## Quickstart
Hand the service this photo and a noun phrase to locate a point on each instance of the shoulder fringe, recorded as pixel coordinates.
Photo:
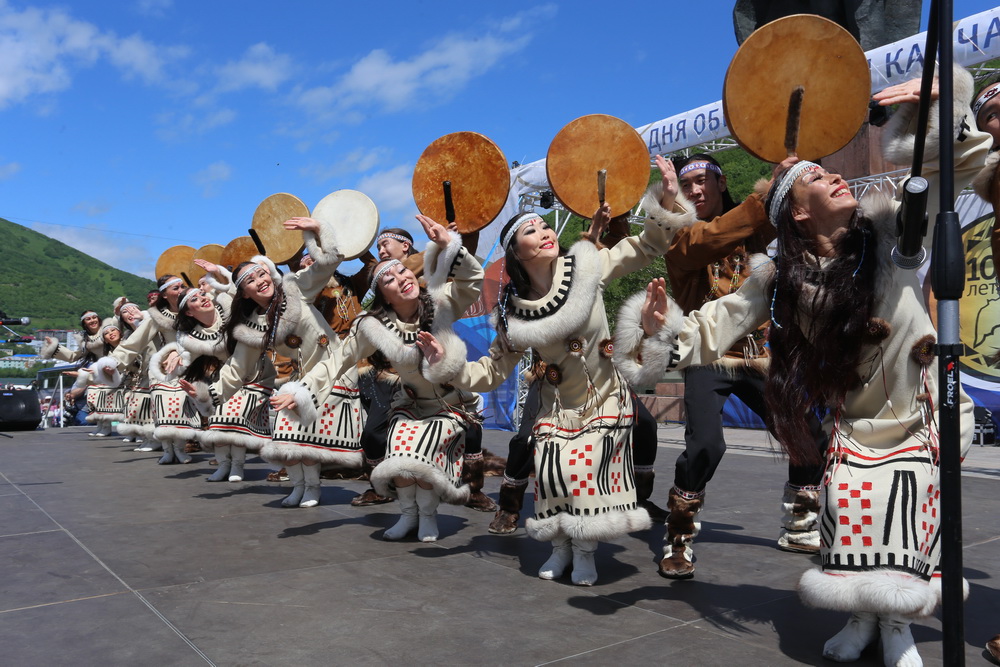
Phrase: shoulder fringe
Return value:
(98, 368)
(984, 179)
(49, 349)
(879, 591)
(683, 215)
(641, 360)
(323, 246)
(602, 527)
(227, 288)
(900, 132)
(306, 405)
(156, 372)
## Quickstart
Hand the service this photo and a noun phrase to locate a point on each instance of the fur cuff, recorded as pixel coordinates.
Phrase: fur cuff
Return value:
(99, 375)
(682, 215)
(438, 263)
(643, 361)
(228, 287)
(877, 591)
(984, 179)
(323, 247)
(453, 362)
(602, 527)
(84, 378)
(156, 372)
(306, 405)
(49, 349)
(900, 132)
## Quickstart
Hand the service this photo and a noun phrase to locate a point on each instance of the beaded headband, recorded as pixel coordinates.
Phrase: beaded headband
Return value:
(985, 96)
(184, 299)
(701, 164)
(250, 268)
(390, 235)
(110, 326)
(87, 314)
(516, 225)
(172, 281)
(381, 272)
(785, 186)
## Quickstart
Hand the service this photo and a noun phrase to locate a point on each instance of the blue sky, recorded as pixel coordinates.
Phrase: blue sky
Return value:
(128, 126)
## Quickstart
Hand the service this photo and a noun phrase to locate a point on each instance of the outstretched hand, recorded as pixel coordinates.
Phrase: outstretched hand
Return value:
(907, 92)
(283, 402)
(188, 388)
(670, 186)
(654, 308)
(431, 347)
(302, 224)
(435, 231)
(207, 265)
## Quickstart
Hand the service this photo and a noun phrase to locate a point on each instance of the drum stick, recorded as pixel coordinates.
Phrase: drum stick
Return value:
(257, 242)
(449, 204)
(794, 118)
(186, 279)
(602, 182)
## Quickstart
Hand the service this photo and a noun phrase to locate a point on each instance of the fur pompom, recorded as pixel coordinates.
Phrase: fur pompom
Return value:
(922, 351)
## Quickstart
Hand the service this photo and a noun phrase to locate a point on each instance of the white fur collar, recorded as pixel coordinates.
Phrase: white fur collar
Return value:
(398, 346)
(164, 319)
(253, 333)
(577, 283)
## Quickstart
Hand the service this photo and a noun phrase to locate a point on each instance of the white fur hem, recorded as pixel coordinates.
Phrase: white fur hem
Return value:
(602, 527)
(284, 453)
(175, 434)
(306, 406)
(215, 438)
(876, 591)
(643, 361)
(384, 473)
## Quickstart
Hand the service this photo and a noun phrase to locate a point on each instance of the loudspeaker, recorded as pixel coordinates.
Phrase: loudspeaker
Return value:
(20, 410)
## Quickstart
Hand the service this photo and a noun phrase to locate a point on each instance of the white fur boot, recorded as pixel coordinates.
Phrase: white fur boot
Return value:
(408, 508)
(847, 645)
(239, 458)
(898, 647)
(562, 556)
(182, 456)
(312, 489)
(584, 569)
(297, 477)
(427, 506)
(168, 454)
(224, 455)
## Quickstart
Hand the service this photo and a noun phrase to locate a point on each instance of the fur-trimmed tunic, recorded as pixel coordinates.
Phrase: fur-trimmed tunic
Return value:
(89, 347)
(584, 483)
(879, 527)
(429, 417)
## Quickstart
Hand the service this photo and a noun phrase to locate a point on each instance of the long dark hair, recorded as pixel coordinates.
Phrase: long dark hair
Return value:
(161, 300)
(185, 322)
(244, 306)
(83, 327)
(728, 203)
(380, 308)
(814, 370)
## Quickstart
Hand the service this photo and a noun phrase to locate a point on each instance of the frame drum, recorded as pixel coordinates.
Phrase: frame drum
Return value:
(353, 216)
(281, 244)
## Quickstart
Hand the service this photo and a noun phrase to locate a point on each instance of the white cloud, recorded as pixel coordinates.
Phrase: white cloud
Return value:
(211, 176)
(154, 8)
(115, 249)
(9, 170)
(356, 162)
(260, 67)
(175, 126)
(92, 208)
(391, 191)
(40, 48)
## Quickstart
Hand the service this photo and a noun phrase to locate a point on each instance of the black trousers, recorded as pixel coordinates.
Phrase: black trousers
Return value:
(520, 454)
(706, 389)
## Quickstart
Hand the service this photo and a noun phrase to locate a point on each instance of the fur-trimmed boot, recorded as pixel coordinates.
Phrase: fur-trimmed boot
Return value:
(236, 468)
(643, 490)
(799, 524)
(584, 568)
(473, 474)
(427, 506)
(847, 645)
(313, 488)
(180, 451)
(224, 455)
(407, 523)
(678, 557)
(562, 556)
(168, 454)
(297, 477)
(369, 497)
(511, 501)
(993, 648)
(898, 647)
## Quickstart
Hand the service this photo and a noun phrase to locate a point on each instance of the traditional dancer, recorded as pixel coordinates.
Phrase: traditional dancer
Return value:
(137, 419)
(90, 344)
(852, 335)
(430, 418)
(585, 488)
(104, 401)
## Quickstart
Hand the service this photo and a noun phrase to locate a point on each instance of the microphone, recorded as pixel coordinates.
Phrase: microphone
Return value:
(911, 225)
(14, 321)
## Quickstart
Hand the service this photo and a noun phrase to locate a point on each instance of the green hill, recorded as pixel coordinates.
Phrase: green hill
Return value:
(52, 283)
